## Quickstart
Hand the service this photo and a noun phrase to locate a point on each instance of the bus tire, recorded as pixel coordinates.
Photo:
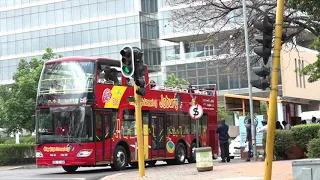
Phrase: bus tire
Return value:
(133, 164)
(180, 155)
(152, 163)
(192, 158)
(70, 169)
(120, 158)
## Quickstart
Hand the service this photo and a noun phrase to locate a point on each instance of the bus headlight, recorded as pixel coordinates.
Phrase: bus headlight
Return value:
(39, 154)
(84, 153)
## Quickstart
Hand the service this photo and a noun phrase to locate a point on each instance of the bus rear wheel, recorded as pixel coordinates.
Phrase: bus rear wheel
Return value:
(120, 158)
(192, 158)
(152, 163)
(70, 169)
(181, 153)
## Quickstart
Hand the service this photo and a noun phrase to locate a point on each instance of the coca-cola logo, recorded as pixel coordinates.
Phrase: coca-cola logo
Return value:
(106, 96)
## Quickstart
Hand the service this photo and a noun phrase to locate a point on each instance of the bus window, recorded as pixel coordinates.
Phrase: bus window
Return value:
(128, 123)
(204, 123)
(173, 124)
(108, 75)
(184, 123)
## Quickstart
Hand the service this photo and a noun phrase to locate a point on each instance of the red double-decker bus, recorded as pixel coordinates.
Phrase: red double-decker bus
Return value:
(84, 117)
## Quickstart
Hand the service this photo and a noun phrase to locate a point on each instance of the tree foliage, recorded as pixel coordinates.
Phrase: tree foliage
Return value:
(221, 22)
(222, 113)
(17, 101)
(313, 69)
(172, 80)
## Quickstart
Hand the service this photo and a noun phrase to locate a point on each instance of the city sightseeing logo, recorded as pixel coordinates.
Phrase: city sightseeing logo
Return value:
(67, 148)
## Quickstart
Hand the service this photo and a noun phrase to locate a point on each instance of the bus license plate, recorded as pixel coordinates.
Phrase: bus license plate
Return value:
(58, 162)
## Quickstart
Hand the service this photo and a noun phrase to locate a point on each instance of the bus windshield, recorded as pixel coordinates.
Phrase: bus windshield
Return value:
(67, 77)
(64, 125)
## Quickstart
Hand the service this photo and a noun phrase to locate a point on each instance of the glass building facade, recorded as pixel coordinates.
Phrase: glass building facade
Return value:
(102, 28)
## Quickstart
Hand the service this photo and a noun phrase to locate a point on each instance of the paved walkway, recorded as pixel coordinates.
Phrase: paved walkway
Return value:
(282, 170)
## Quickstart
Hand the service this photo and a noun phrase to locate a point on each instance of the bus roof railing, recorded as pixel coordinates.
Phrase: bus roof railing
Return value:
(208, 90)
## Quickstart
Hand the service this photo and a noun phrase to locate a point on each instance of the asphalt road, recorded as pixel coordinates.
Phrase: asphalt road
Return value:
(57, 173)
(83, 173)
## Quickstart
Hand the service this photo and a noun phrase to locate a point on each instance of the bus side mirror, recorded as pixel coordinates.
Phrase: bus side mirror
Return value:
(33, 119)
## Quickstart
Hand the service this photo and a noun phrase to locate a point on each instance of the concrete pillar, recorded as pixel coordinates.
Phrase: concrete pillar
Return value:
(298, 110)
(182, 52)
(280, 111)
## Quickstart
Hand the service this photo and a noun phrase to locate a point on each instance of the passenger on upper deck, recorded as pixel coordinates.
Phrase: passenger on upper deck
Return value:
(153, 85)
(107, 75)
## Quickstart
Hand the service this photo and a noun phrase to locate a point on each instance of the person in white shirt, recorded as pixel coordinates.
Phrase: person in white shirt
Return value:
(263, 129)
(286, 125)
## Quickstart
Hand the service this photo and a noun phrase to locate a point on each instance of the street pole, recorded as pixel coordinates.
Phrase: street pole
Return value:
(139, 132)
(274, 90)
(253, 128)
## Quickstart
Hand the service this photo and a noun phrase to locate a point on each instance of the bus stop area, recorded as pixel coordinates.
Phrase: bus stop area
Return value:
(235, 170)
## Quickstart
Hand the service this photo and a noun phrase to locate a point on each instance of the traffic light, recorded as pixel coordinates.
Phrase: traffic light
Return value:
(127, 61)
(264, 51)
(139, 73)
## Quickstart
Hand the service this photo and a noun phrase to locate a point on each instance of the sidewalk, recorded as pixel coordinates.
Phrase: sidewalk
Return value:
(281, 170)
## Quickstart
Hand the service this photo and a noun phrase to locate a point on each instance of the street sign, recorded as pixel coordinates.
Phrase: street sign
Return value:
(196, 111)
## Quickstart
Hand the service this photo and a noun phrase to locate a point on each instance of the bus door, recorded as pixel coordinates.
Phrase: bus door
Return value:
(158, 135)
(103, 136)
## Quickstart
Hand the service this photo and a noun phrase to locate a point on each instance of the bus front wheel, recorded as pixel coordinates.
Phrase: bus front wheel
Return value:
(120, 158)
(180, 153)
(70, 169)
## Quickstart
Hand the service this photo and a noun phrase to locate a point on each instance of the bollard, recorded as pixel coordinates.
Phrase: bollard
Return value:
(204, 159)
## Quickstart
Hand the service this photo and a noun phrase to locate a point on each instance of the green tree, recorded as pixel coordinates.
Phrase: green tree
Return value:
(263, 107)
(17, 101)
(172, 80)
(222, 113)
(313, 69)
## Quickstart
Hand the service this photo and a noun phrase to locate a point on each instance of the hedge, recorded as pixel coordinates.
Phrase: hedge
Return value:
(22, 140)
(314, 148)
(304, 133)
(283, 141)
(17, 154)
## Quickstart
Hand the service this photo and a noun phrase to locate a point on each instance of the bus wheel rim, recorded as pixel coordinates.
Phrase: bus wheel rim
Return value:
(121, 158)
(181, 154)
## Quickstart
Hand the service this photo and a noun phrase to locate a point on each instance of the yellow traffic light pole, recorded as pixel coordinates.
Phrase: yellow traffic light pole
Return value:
(274, 90)
(139, 131)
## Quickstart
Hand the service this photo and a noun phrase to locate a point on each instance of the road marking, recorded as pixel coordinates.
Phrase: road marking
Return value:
(111, 176)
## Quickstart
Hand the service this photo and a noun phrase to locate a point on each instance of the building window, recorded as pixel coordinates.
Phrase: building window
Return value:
(304, 78)
(223, 82)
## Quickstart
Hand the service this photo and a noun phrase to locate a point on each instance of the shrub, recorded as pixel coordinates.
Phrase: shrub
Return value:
(283, 141)
(304, 133)
(17, 154)
(4, 139)
(314, 148)
(22, 140)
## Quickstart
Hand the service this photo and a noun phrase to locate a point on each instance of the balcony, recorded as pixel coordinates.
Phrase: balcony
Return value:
(198, 54)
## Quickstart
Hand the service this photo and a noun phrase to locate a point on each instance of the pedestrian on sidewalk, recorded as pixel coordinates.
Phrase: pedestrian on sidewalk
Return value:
(222, 130)
(249, 139)
(263, 130)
